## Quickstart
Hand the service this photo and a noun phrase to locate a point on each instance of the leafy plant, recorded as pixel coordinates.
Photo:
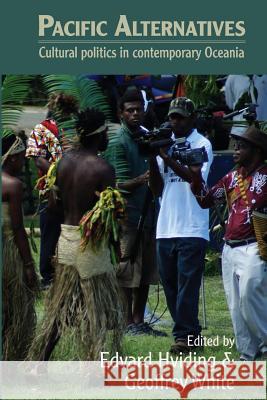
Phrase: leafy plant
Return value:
(115, 154)
(200, 88)
(14, 91)
(88, 94)
(86, 91)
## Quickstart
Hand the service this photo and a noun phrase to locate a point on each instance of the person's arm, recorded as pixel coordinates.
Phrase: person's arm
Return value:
(20, 236)
(131, 184)
(205, 169)
(42, 164)
(199, 188)
(54, 205)
(156, 183)
(207, 198)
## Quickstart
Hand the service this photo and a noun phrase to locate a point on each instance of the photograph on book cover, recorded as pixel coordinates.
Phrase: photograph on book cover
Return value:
(134, 219)
(116, 175)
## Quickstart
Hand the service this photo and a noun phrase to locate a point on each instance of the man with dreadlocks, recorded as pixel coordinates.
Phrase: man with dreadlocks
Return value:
(84, 294)
(19, 278)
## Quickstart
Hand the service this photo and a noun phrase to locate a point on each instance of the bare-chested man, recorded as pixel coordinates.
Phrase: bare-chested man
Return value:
(84, 295)
(19, 277)
(82, 172)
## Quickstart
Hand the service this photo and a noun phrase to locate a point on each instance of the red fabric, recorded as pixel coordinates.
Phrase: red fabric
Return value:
(218, 114)
(180, 91)
(51, 125)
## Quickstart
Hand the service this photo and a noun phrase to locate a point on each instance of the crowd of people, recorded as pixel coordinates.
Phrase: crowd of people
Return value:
(162, 238)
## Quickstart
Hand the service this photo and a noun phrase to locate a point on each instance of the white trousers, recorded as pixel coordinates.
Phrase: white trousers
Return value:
(245, 285)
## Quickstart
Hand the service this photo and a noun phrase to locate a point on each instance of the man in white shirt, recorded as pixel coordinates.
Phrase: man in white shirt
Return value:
(182, 227)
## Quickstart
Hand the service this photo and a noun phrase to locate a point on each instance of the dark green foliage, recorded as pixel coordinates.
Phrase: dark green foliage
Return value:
(201, 88)
(86, 91)
(14, 91)
(114, 154)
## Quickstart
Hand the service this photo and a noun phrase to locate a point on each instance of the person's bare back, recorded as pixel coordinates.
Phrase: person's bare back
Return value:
(78, 276)
(81, 173)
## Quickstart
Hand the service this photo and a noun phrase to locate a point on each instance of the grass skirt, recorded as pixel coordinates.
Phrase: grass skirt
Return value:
(19, 317)
(89, 309)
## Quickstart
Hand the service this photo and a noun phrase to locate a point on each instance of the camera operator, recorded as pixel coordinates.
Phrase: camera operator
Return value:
(137, 269)
(182, 227)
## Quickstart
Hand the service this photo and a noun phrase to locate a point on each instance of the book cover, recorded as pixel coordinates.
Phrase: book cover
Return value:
(211, 53)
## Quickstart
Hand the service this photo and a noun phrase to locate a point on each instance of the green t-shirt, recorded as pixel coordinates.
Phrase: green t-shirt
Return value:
(128, 153)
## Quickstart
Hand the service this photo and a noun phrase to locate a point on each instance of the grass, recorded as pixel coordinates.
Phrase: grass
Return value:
(219, 327)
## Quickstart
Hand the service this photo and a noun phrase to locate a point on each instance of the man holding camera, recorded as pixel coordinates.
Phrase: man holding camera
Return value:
(182, 227)
(137, 269)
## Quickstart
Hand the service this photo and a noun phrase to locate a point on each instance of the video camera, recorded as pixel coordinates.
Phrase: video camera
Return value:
(149, 141)
(187, 156)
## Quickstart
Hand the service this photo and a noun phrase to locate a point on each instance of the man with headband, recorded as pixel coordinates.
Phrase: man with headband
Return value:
(19, 278)
(84, 296)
